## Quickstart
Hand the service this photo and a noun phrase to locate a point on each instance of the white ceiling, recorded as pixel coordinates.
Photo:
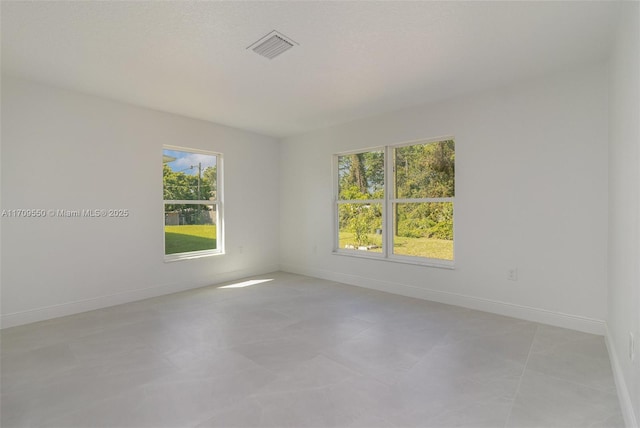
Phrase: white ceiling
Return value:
(354, 59)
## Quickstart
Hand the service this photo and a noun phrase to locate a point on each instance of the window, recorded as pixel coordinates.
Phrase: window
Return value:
(192, 189)
(361, 200)
(396, 202)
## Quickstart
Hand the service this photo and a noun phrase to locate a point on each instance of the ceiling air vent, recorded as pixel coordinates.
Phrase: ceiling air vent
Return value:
(272, 45)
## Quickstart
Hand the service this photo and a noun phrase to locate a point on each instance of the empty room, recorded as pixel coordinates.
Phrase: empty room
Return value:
(320, 214)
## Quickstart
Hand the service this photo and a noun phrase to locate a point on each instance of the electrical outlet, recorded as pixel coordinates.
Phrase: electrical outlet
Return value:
(632, 347)
(240, 249)
(512, 274)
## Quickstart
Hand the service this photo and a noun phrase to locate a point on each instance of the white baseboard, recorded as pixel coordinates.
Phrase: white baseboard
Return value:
(626, 405)
(71, 308)
(543, 316)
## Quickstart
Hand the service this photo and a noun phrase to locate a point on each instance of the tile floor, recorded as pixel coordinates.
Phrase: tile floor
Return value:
(296, 352)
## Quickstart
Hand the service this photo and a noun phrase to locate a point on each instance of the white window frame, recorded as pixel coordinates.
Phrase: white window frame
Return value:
(387, 209)
(218, 203)
(337, 202)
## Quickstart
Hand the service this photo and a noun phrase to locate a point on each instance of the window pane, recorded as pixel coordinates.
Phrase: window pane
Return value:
(189, 228)
(424, 230)
(425, 170)
(360, 227)
(189, 176)
(361, 176)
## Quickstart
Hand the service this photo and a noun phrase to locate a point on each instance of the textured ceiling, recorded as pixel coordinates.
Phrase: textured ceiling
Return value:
(354, 59)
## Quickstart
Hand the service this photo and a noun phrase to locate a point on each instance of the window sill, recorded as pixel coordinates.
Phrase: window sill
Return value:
(169, 258)
(436, 263)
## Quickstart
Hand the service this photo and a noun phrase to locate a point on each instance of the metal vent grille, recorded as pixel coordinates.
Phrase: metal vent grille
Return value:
(272, 45)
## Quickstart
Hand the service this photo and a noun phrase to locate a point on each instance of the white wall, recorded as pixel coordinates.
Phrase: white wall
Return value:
(531, 193)
(624, 217)
(66, 150)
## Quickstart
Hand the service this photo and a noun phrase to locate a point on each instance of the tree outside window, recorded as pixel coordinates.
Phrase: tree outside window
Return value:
(397, 201)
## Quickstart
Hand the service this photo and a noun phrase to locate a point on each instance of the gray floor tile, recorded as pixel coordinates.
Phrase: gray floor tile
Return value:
(574, 356)
(546, 401)
(297, 351)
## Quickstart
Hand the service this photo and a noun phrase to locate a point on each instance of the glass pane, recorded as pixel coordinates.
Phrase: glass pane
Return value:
(189, 176)
(423, 230)
(361, 176)
(360, 227)
(425, 170)
(189, 228)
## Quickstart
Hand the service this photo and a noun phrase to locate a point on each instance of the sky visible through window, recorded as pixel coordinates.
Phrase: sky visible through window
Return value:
(188, 162)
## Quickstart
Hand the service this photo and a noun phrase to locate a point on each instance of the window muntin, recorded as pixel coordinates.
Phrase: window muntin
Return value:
(397, 202)
(192, 203)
